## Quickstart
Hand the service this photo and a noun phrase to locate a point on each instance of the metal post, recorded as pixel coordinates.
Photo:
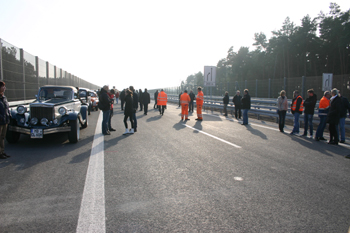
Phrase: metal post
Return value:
(269, 89)
(302, 86)
(23, 72)
(285, 83)
(55, 74)
(47, 72)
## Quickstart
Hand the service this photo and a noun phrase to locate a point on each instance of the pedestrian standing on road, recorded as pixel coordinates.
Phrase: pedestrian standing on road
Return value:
(111, 97)
(122, 98)
(323, 108)
(245, 106)
(282, 104)
(105, 106)
(135, 99)
(129, 111)
(184, 100)
(297, 109)
(226, 100)
(192, 97)
(117, 96)
(146, 100)
(155, 99)
(237, 101)
(141, 99)
(162, 100)
(309, 106)
(333, 117)
(345, 107)
(199, 103)
(179, 98)
(4, 119)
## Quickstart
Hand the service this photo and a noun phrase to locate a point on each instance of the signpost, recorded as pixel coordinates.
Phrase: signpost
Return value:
(209, 77)
(327, 82)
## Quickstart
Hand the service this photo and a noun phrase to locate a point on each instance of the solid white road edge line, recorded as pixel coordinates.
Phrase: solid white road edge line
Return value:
(200, 131)
(92, 210)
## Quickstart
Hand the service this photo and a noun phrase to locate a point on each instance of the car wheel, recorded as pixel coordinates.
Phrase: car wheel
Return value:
(86, 122)
(12, 137)
(74, 134)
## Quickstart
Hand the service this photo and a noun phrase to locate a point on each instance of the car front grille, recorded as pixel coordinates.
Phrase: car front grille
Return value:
(42, 112)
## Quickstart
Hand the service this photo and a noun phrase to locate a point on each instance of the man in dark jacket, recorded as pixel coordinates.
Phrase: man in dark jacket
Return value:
(155, 99)
(105, 106)
(122, 98)
(309, 105)
(333, 117)
(238, 105)
(136, 105)
(226, 100)
(146, 100)
(345, 107)
(4, 119)
(141, 99)
(192, 97)
(297, 109)
(245, 106)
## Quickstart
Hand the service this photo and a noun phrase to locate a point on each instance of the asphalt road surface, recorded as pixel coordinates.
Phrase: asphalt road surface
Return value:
(174, 176)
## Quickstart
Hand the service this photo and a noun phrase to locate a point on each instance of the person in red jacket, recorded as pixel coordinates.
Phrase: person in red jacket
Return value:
(184, 101)
(199, 103)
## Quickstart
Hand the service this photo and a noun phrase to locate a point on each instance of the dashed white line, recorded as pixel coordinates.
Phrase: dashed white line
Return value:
(92, 210)
(200, 131)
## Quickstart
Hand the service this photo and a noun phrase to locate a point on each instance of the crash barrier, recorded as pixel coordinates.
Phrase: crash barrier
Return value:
(259, 107)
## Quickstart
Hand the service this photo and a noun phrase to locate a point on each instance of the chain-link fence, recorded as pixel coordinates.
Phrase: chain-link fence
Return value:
(270, 88)
(24, 73)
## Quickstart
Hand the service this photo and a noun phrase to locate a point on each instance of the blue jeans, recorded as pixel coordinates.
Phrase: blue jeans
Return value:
(321, 126)
(296, 122)
(281, 119)
(245, 116)
(308, 121)
(105, 120)
(342, 129)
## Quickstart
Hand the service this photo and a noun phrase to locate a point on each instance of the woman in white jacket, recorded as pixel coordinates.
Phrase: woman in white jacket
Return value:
(282, 104)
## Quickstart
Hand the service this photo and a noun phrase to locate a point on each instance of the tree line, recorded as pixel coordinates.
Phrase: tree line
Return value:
(318, 45)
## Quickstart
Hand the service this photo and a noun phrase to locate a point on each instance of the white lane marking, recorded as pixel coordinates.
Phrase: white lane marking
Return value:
(238, 178)
(92, 210)
(200, 131)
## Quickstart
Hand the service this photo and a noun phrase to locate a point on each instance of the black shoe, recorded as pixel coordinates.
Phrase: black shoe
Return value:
(111, 129)
(282, 131)
(187, 119)
(3, 156)
(135, 130)
(317, 139)
(322, 138)
(333, 143)
(342, 141)
(107, 133)
(304, 135)
(6, 155)
(244, 124)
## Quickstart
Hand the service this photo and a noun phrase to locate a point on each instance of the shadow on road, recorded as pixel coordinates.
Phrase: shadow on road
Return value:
(255, 132)
(179, 125)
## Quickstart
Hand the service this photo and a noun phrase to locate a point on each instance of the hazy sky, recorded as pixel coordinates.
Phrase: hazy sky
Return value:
(148, 44)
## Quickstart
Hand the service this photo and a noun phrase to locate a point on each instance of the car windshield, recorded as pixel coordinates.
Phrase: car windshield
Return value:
(82, 93)
(47, 93)
(92, 94)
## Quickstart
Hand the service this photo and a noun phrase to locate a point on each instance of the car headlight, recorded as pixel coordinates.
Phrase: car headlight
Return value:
(21, 109)
(62, 111)
(55, 121)
(44, 121)
(34, 121)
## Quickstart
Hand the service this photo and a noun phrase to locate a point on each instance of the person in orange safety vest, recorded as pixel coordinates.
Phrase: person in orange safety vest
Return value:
(199, 103)
(162, 101)
(184, 101)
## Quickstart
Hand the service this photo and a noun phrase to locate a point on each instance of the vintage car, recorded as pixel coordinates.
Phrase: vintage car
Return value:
(56, 109)
(85, 98)
(94, 100)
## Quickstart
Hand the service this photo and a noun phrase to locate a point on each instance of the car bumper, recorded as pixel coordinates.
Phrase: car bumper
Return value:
(45, 131)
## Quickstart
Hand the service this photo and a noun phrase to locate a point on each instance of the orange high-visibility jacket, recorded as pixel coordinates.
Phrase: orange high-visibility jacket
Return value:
(162, 98)
(200, 98)
(185, 99)
(294, 104)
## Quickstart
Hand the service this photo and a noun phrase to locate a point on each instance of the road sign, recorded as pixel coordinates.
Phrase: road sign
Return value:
(209, 76)
(327, 81)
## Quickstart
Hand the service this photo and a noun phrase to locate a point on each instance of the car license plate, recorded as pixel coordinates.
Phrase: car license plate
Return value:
(36, 133)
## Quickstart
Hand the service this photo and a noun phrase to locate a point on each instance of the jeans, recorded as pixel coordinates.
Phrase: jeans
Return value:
(296, 122)
(245, 116)
(225, 109)
(281, 119)
(321, 126)
(105, 121)
(109, 120)
(342, 129)
(134, 120)
(191, 106)
(239, 112)
(308, 121)
(117, 100)
(145, 108)
(333, 134)
(131, 121)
